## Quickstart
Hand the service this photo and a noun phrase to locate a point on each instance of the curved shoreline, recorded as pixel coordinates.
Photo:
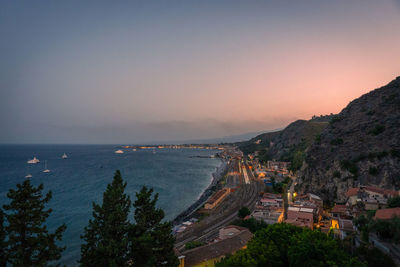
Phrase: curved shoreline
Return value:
(217, 175)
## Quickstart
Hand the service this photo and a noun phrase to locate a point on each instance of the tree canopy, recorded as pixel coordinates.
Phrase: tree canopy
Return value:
(243, 212)
(106, 236)
(111, 239)
(28, 242)
(152, 240)
(287, 245)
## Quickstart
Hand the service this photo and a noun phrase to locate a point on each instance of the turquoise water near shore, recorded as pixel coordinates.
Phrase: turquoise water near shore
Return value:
(82, 178)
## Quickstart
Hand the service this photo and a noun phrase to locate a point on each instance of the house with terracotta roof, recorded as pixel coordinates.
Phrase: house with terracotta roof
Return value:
(209, 255)
(340, 211)
(352, 196)
(301, 217)
(387, 214)
(372, 197)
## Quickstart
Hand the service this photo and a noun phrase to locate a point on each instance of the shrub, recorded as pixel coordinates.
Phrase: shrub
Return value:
(336, 141)
(336, 118)
(373, 170)
(243, 212)
(378, 129)
(371, 112)
(193, 244)
(395, 153)
(349, 166)
(336, 174)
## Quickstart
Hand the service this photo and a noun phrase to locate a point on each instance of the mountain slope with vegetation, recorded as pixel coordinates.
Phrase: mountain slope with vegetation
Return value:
(288, 144)
(360, 146)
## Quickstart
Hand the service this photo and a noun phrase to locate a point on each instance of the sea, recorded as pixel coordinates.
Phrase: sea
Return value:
(179, 176)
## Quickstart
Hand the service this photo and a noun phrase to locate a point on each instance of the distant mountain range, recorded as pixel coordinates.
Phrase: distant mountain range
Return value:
(360, 145)
(225, 139)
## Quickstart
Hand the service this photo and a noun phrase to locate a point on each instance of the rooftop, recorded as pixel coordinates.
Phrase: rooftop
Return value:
(387, 214)
(217, 249)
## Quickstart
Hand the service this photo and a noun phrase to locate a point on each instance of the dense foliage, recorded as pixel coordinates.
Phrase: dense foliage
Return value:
(152, 241)
(106, 236)
(385, 229)
(394, 202)
(25, 239)
(194, 244)
(252, 224)
(243, 212)
(287, 245)
(3, 244)
(111, 240)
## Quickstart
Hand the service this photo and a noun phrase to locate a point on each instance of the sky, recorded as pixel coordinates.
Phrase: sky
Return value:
(126, 72)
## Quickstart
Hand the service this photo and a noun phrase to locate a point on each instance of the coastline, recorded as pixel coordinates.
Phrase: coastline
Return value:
(217, 175)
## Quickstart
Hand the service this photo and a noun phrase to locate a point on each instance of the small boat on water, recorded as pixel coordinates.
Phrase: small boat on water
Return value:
(64, 156)
(119, 151)
(134, 149)
(28, 175)
(33, 161)
(45, 167)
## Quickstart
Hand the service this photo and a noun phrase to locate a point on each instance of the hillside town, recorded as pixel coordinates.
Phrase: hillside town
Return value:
(267, 190)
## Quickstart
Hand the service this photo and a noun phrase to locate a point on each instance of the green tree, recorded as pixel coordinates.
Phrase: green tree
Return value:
(252, 224)
(106, 236)
(394, 202)
(287, 245)
(194, 244)
(152, 243)
(29, 242)
(3, 244)
(243, 212)
(374, 257)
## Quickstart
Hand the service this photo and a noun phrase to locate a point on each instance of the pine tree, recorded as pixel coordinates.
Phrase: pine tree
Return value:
(3, 245)
(106, 236)
(29, 242)
(152, 241)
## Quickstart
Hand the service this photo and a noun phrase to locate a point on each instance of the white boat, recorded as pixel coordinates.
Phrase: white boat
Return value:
(119, 151)
(64, 156)
(28, 175)
(134, 149)
(45, 167)
(33, 161)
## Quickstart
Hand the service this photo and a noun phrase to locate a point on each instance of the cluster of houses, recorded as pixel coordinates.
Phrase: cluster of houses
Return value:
(269, 208)
(306, 211)
(359, 200)
(303, 210)
(272, 169)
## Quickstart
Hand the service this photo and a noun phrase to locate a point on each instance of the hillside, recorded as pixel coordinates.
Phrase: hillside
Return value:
(287, 143)
(361, 145)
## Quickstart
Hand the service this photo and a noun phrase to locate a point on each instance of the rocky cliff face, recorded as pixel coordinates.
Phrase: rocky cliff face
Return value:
(361, 145)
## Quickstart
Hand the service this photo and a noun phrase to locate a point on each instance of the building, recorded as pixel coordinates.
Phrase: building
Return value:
(216, 198)
(340, 211)
(235, 238)
(387, 214)
(372, 197)
(302, 217)
(277, 165)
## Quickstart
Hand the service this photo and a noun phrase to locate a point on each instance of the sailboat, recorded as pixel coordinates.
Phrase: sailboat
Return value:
(33, 161)
(28, 174)
(64, 156)
(45, 167)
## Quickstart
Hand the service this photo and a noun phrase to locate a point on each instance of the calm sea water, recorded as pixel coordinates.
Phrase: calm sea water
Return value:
(82, 178)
